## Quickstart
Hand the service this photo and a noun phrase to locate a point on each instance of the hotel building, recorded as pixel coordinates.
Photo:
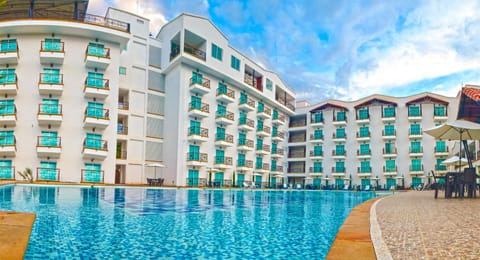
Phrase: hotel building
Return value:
(85, 98)
(377, 140)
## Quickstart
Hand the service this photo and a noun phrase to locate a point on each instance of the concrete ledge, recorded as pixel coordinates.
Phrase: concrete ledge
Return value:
(353, 239)
(15, 229)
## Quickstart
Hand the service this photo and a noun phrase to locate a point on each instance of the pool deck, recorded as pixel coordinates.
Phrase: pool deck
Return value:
(15, 229)
(416, 226)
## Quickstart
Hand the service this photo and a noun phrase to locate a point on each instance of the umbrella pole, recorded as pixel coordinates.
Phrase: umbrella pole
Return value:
(460, 153)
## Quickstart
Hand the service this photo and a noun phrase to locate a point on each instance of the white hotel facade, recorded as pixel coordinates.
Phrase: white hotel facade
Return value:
(98, 99)
(89, 99)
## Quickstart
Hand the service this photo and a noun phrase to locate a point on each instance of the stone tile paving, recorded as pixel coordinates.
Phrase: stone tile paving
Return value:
(416, 226)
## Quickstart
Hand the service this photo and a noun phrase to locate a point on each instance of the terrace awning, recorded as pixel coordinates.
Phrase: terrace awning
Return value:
(469, 104)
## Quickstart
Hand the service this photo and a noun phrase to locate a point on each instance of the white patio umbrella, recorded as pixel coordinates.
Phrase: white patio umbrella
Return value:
(155, 165)
(456, 130)
(453, 160)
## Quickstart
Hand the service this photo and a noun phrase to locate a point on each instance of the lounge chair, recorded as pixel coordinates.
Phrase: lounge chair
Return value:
(346, 187)
(367, 188)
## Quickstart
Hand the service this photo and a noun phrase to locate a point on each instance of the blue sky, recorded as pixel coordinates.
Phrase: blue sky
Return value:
(343, 49)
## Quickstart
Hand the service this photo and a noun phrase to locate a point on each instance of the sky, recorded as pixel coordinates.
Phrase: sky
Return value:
(342, 49)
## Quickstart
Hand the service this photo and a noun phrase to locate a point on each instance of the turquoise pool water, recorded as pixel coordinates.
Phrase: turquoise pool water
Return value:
(121, 223)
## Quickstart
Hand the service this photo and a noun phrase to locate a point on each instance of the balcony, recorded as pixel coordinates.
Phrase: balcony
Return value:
(363, 119)
(389, 153)
(223, 140)
(197, 159)
(92, 176)
(416, 152)
(339, 121)
(296, 170)
(316, 155)
(246, 124)
(415, 116)
(339, 155)
(339, 138)
(95, 149)
(246, 104)
(361, 170)
(8, 115)
(364, 154)
(244, 165)
(390, 171)
(441, 151)
(440, 169)
(278, 169)
(48, 174)
(96, 88)
(49, 147)
(224, 117)
(278, 136)
(245, 145)
(8, 146)
(316, 122)
(9, 55)
(200, 86)
(316, 138)
(223, 162)
(263, 131)
(52, 53)
(49, 114)
(199, 110)
(226, 95)
(316, 171)
(338, 171)
(7, 173)
(278, 153)
(389, 135)
(262, 168)
(263, 150)
(296, 123)
(388, 118)
(297, 138)
(415, 134)
(194, 51)
(96, 57)
(296, 155)
(278, 120)
(441, 117)
(264, 113)
(415, 169)
(96, 117)
(50, 84)
(197, 134)
(363, 136)
(8, 84)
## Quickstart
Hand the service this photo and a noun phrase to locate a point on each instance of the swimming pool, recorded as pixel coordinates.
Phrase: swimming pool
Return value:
(86, 222)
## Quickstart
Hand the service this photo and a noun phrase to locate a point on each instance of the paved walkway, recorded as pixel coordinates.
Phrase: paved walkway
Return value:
(416, 226)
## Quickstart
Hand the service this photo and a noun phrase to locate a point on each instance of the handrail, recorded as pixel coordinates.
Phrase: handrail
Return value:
(45, 141)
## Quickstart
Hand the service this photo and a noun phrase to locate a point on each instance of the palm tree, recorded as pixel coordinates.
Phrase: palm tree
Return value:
(26, 174)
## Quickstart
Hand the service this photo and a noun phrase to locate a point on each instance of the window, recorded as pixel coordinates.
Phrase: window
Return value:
(274, 165)
(52, 76)
(415, 129)
(318, 134)
(235, 63)
(390, 166)
(440, 166)
(365, 166)
(340, 149)
(389, 149)
(92, 172)
(49, 139)
(243, 118)
(364, 131)
(192, 177)
(194, 153)
(317, 167)
(93, 141)
(274, 131)
(261, 107)
(414, 111)
(363, 113)
(221, 111)
(7, 138)
(365, 149)
(339, 166)
(220, 134)
(259, 144)
(340, 133)
(389, 130)
(274, 148)
(51, 44)
(389, 112)
(122, 71)
(318, 117)
(440, 146)
(258, 163)
(222, 88)
(317, 150)
(95, 80)
(415, 147)
(7, 76)
(48, 171)
(416, 165)
(196, 78)
(8, 45)
(7, 107)
(95, 110)
(217, 52)
(6, 169)
(259, 125)
(96, 49)
(275, 114)
(340, 116)
(243, 98)
(241, 159)
(194, 128)
(242, 139)
(269, 84)
(219, 156)
(439, 110)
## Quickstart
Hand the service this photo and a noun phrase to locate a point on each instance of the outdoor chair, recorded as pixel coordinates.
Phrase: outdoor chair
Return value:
(367, 188)
(346, 187)
(149, 181)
